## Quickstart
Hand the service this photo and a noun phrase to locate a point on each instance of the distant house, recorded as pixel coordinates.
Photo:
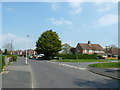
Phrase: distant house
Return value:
(29, 52)
(113, 52)
(88, 48)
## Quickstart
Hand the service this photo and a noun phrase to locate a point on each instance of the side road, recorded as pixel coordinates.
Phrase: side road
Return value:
(17, 75)
(111, 72)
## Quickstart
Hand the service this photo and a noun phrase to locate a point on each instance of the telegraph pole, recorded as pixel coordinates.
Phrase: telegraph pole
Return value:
(11, 46)
(26, 49)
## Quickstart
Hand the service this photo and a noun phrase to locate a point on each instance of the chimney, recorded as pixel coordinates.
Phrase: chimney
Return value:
(89, 42)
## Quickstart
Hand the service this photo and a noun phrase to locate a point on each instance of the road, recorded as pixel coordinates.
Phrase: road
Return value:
(46, 74)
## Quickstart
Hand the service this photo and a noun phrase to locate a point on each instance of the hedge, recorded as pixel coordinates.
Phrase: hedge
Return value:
(77, 56)
(2, 62)
(13, 57)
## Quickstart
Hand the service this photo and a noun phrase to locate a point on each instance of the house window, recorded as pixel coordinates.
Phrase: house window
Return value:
(85, 51)
(90, 50)
(96, 51)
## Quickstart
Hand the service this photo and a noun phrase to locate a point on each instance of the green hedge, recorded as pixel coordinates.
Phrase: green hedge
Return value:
(2, 62)
(13, 57)
(77, 56)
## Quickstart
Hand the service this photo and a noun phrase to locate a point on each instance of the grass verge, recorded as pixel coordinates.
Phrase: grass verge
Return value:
(106, 65)
(82, 60)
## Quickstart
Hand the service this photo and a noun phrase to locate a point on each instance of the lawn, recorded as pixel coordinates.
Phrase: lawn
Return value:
(81, 60)
(106, 65)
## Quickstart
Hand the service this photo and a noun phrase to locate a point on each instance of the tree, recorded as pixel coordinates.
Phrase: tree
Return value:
(6, 52)
(113, 46)
(66, 48)
(48, 44)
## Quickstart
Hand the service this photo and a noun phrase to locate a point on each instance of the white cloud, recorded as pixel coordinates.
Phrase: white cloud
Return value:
(105, 6)
(76, 7)
(54, 6)
(107, 20)
(76, 11)
(10, 9)
(60, 21)
(18, 42)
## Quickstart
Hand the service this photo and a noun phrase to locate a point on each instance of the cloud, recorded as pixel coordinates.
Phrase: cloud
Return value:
(60, 21)
(76, 11)
(105, 6)
(10, 9)
(18, 42)
(107, 20)
(54, 6)
(76, 7)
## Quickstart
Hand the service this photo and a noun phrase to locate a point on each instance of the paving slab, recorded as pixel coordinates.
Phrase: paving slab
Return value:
(17, 75)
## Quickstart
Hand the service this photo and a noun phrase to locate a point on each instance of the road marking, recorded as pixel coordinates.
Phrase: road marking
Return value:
(67, 65)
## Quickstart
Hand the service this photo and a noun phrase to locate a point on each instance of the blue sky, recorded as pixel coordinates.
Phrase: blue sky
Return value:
(74, 22)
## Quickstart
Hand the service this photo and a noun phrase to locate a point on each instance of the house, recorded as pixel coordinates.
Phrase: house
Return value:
(29, 52)
(18, 52)
(88, 48)
(113, 53)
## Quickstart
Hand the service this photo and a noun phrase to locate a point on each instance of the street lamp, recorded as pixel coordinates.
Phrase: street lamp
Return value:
(26, 49)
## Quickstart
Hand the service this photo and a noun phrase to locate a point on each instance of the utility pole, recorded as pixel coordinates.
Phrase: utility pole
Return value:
(11, 46)
(26, 49)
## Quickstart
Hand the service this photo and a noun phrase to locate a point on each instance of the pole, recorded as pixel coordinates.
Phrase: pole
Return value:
(26, 49)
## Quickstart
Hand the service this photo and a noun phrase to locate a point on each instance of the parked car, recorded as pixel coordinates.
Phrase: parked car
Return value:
(30, 56)
(38, 56)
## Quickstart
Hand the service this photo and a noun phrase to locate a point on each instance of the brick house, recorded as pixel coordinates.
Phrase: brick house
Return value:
(88, 48)
(113, 52)
(29, 52)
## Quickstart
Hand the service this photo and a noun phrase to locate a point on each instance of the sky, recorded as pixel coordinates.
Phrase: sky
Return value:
(75, 22)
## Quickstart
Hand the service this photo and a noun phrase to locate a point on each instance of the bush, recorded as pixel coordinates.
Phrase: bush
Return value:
(77, 56)
(3, 61)
(13, 57)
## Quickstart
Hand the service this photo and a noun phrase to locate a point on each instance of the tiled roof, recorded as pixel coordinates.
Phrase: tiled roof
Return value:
(114, 51)
(90, 46)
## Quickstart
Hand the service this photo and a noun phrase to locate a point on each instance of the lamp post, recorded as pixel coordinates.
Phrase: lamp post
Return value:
(26, 49)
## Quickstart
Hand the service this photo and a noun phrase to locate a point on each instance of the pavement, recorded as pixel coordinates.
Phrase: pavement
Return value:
(17, 75)
(109, 72)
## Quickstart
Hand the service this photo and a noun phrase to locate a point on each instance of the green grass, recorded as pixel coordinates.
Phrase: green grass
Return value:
(81, 60)
(0, 63)
(106, 65)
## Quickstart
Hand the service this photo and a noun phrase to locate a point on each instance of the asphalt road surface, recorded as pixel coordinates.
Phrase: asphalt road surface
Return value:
(52, 75)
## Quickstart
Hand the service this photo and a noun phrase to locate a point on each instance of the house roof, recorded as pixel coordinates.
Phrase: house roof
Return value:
(114, 51)
(90, 46)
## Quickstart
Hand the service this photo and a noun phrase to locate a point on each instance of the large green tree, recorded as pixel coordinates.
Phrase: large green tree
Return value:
(48, 44)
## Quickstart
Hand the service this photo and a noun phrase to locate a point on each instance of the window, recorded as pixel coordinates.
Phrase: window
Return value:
(90, 50)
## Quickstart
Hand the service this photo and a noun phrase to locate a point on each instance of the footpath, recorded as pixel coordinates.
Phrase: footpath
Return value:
(109, 72)
(17, 75)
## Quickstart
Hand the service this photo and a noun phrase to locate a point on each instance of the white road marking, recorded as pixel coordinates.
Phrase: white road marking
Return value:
(68, 65)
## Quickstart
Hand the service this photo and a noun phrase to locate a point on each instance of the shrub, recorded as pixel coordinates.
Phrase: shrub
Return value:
(13, 57)
(77, 56)
(3, 61)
